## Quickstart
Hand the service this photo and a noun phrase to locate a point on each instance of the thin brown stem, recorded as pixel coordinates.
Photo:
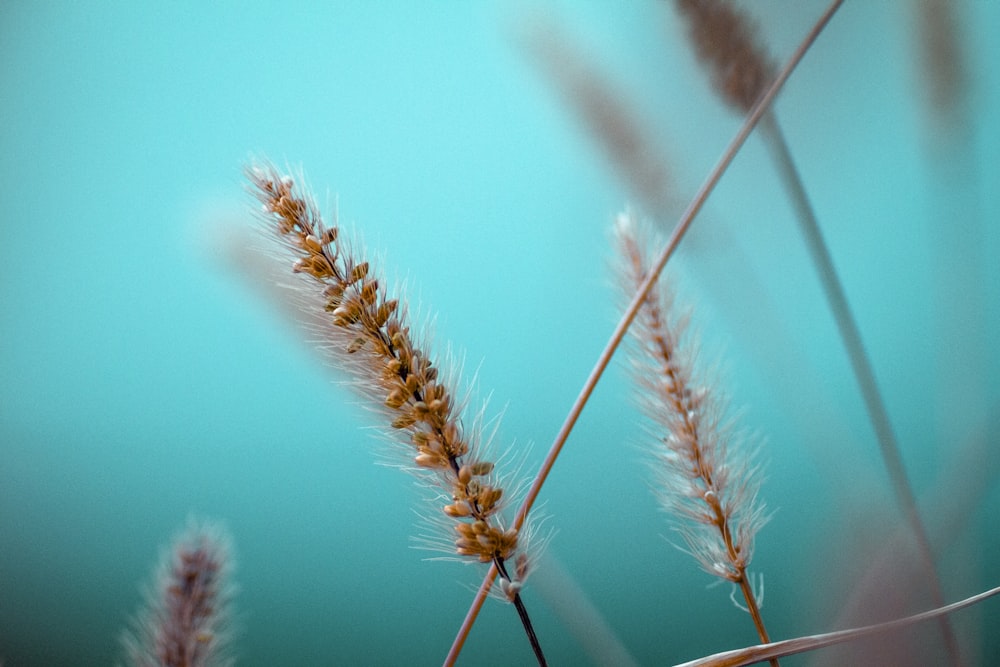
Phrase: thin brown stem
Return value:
(746, 587)
(861, 365)
(619, 333)
(754, 608)
(754, 654)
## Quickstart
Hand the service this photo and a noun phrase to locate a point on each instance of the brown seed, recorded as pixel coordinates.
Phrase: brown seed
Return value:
(405, 420)
(329, 236)
(396, 398)
(369, 291)
(458, 509)
(487, 498)
(429, 461)
(450, 434)
(311, 244)
(482, 468)
(384, 312)
(465, 475)
(359, 272)
(391, 370)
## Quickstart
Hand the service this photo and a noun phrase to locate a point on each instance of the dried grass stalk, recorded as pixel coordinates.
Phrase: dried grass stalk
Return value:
(725, 41)
(706, 477)
(604, 359)
(367, 335)
(186, 622)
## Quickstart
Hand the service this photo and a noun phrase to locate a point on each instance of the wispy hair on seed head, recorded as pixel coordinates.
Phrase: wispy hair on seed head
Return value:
(704, 470)
(187, 617)
(421, 404)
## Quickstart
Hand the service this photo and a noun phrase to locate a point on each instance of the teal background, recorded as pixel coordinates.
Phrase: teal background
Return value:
(145, 376)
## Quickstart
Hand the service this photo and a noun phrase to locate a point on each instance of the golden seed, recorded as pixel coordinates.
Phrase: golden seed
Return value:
(384, 313)
(346, 314)
(369, 291)
(450, 434)
(482, 468)
(321, 267)
(355, 345)
(405, 420)
(427, 461)
(488, 497)
(315, 265)
(458, 509)
(311, 243)
(465, 475)
(391, 369)
(359, 272)
(396, 398)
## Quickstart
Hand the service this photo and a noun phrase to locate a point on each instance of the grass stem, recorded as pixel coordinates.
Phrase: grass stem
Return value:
(861, 364)
(619, 333)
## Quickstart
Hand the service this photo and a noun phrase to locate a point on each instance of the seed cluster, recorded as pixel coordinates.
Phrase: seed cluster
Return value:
(725, 41)
(707, 485)
(186, 620)
(191, 600)
(368, 333)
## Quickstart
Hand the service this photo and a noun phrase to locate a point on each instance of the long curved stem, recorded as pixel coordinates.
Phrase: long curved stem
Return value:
(619, 333)
(861, 364)
(754, 654)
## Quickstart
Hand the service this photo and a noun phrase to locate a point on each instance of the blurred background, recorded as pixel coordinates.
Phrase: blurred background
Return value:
(147, 374)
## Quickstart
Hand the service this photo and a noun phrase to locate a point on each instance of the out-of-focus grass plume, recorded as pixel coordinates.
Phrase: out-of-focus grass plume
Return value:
(187, 621)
